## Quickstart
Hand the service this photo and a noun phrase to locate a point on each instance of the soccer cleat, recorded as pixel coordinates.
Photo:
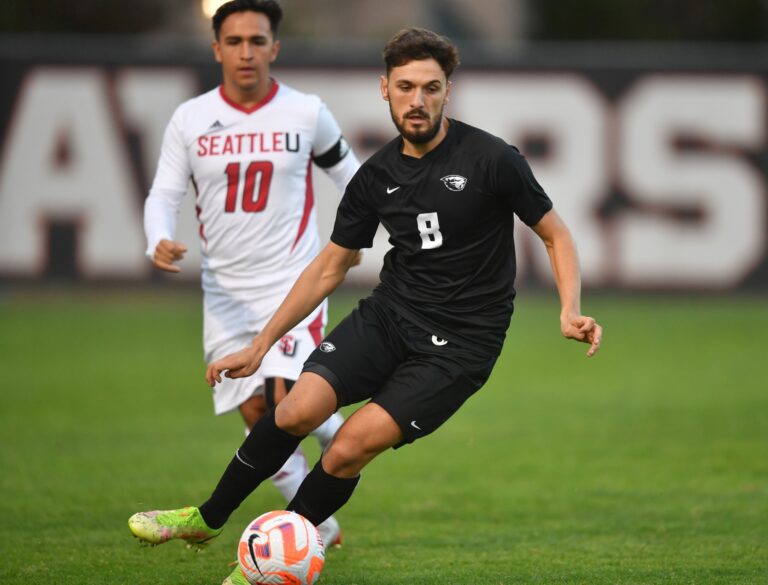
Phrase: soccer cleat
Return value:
(236, 577)
(330, 532)
(160, 526)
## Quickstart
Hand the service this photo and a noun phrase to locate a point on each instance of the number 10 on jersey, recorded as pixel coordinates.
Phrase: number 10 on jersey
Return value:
(254, 200)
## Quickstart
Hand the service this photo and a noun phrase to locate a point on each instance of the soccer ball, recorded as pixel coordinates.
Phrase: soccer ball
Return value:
(281, 548)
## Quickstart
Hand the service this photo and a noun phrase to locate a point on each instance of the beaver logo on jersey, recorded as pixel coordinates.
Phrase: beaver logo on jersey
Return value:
(454, 182)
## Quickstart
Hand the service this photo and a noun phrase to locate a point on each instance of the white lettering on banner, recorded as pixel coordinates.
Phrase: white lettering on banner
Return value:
(715, 181)
(676, 147)
(148, 98)
(64, 160)
(571, 115)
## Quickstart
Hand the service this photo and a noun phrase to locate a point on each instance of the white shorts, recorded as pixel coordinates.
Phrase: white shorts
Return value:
(230, 324)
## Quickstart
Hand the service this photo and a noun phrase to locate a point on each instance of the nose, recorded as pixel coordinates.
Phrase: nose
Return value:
(246, 52)
(417, 99)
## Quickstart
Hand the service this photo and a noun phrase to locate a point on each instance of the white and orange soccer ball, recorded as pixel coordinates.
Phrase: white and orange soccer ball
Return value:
(281, 548)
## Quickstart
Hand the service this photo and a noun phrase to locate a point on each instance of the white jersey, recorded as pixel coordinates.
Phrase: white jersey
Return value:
(252, 172)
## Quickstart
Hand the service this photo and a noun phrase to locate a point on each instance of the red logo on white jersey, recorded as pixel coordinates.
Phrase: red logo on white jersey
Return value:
(288, 345)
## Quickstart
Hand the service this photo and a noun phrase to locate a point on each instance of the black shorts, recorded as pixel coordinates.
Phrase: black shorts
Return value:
(418, 378)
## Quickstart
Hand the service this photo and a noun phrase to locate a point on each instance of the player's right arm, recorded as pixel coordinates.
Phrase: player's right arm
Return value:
(318, 280)
(161, 208)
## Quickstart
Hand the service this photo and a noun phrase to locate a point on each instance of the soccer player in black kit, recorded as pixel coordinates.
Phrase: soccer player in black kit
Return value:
(428, 336)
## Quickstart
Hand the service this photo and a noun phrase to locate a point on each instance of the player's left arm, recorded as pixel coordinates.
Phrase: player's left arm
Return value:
(339, 163)
(565, 267)
(331, 152)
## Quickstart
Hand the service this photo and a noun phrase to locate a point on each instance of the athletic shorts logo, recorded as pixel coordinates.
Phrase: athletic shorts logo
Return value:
(327, 347)
(415, 426)
(438, 341)
(287, 345)
(391, 190)
(454, 182)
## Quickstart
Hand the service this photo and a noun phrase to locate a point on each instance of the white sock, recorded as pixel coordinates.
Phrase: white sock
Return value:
(324, 433)
(291, 474)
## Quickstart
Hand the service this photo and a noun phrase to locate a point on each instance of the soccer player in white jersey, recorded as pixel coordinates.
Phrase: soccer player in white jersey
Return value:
(248, 147)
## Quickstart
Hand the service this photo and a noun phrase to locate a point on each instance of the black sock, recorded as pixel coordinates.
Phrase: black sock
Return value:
(261, 455)
(321, 494)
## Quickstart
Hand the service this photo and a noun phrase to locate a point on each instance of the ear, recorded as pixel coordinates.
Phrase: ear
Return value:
(448, 87)
(275, 51)
(384, 89)
(216, 51)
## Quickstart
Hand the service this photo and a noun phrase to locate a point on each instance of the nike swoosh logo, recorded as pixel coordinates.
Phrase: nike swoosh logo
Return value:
(415, 426)
(437, 341)
(253, 555)
(392, 190)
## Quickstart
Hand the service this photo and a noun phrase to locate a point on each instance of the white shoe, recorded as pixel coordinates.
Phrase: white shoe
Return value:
(330, 532)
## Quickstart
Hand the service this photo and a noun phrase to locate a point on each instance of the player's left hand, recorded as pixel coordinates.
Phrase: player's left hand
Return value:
(240, 364)
(584, 329)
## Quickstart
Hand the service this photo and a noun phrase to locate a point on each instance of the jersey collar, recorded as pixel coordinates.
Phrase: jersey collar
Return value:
(254, 107)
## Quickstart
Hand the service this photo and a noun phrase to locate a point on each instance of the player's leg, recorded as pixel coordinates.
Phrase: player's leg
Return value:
(424, 391)
(224, 331)
(253, 409)
(275, 389)
(326, 431)
(290, 476)
(261, 455)
(273, 438)
(229, 324)
(357, 359)
(248, 394)
(281, 367)
(286, 359)
(367, 354)
(330, 484)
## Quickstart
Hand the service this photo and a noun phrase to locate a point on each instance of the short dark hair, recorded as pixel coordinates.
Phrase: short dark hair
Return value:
(269, 8)
(415, 44)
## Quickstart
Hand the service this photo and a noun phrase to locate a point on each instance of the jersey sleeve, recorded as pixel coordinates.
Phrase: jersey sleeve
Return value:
(327, 132)
(337, 160)
(356, 219)
(173, 168)
(513, 179)
(161, 207)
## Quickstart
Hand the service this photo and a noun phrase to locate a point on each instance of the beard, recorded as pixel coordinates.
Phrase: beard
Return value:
(417, 136)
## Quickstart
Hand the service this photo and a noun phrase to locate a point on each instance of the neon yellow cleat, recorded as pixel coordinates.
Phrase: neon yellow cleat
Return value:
(160, 526)
(236, 577)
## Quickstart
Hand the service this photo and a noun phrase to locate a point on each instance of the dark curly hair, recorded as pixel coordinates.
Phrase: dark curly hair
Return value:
(269, 8)
(415, 44)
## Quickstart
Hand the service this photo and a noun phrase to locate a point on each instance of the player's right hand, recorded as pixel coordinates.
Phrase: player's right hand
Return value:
(240, 364)
(166, 253)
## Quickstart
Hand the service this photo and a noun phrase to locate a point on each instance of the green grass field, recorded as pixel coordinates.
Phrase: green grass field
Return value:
(647, 464)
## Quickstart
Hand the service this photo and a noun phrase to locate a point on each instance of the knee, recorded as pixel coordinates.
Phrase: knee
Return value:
(294, 420)
(346, 457)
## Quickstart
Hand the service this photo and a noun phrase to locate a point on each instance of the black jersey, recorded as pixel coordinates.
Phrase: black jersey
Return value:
(449, 215)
